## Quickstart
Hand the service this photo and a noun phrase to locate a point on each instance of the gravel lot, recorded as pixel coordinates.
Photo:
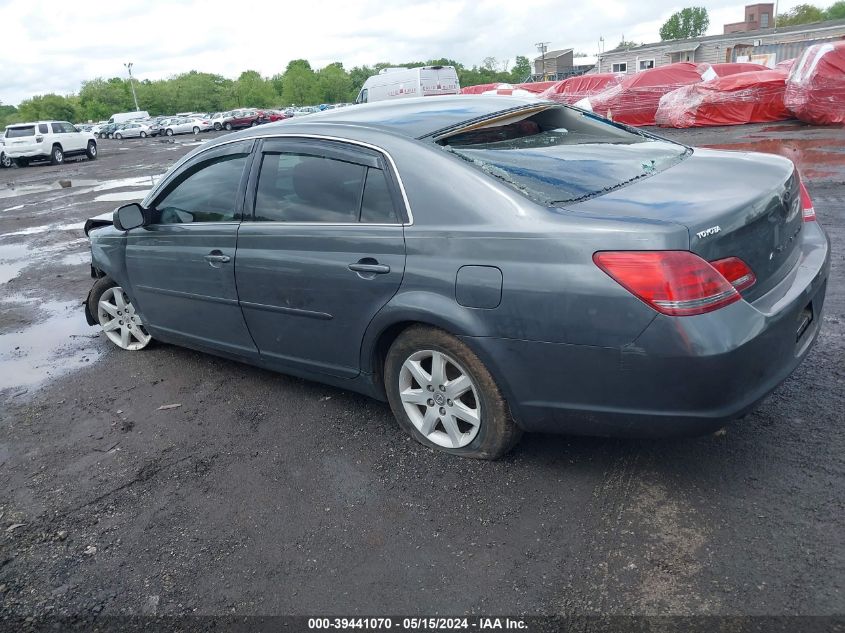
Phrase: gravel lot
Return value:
(264, 494)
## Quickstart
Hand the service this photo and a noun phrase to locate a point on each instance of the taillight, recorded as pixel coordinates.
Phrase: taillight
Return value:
(677, 283)
(736, 271)
(807, 208)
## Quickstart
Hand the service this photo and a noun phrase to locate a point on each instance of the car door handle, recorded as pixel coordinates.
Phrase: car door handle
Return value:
(216, 257)
(374, 269)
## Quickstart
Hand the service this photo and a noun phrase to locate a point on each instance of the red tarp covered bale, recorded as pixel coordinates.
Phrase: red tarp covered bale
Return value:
(752, 97)
(574, 89)
(536, 87)
(477, 90)
(634, 101)
(785, 65)
(734, 68)
(815, 88)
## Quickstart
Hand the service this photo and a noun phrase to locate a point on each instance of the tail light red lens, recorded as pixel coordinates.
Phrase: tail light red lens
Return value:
(677, 283)
(736, 272)
(807, 207)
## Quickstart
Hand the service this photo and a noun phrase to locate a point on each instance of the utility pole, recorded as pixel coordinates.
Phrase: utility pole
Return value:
(542, 47)
(132, 84)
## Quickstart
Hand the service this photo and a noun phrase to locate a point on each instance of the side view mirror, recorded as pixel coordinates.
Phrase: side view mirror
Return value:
(129, 216)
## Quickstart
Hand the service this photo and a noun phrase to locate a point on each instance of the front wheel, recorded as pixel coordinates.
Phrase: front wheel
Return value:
(6, 161)
(228, 127)
(169, 132)
(196, 131)
(443, 395)
(143, 135)
(91, 150)
(217, 127)
(119, 136)
(116, 315)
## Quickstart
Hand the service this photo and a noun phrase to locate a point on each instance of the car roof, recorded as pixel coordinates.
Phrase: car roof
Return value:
(416, 118)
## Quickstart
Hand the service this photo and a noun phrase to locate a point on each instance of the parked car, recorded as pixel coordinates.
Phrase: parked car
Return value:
(185, 126)
(219, 119)
(241, 118)
(306, 110)
(47, 140)
(575, 276)
(5, 161)
(133, 130)
(271, 116)
(107, 130)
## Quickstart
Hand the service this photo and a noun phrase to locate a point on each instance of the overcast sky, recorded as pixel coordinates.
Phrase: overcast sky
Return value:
(52, 46)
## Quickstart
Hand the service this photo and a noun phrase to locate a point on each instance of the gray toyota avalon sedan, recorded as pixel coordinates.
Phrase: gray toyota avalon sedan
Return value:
(488, 265)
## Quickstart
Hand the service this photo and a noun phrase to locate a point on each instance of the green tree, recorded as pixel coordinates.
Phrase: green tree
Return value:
(801, 14)
(521, 69)
(334, 84)
(49, 106)
(254, 90)
(686, 23)
(626, 44)
(299, 84)
(836, 11)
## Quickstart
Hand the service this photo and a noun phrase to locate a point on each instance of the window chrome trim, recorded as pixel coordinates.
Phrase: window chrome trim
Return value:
(319, 137)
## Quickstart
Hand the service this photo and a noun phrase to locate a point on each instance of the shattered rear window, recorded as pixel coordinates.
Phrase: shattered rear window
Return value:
(563, 155)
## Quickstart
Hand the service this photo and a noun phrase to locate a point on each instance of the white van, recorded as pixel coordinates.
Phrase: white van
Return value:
(123, 117)
(401, 83)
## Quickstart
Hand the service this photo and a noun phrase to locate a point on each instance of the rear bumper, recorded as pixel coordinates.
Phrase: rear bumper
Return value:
(682, 376)
(28, 151)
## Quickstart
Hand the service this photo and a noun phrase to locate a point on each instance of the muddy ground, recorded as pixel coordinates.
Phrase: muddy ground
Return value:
(264, 494)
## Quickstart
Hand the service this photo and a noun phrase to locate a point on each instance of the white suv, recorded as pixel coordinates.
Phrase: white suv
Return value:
(47, 140)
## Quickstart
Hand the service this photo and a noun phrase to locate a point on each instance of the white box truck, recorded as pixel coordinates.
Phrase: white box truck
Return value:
(403, 83)
(123, 117)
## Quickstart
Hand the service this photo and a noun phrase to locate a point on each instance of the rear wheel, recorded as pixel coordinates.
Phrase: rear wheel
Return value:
(169, 132)
(57, 156)
(196, 130)
(217, 127)
(91, 150)
(119, 136)
(443, 395)
(143, 135)
(253, 124)
(228, 126)
(116, 315)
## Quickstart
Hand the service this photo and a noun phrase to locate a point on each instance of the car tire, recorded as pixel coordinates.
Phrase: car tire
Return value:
(91, 150)
(111, 135)
(57, 156)
(228, 127)
(5, 161)
(118, 137)
(196, 130)
(253, 124)
(442, 424)
(140, 334)
(143, 135)
(217, 127)
(169, 132)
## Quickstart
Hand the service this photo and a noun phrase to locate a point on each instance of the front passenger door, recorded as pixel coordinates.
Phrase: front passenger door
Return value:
(181, 265)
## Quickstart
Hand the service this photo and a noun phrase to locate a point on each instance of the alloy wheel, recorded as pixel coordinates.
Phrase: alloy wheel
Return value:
(120, 322)
(440, 398)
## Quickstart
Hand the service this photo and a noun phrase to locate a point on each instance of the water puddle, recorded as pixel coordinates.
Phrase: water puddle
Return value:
(59, 343)
(121, 195)
(815, 158)
(77, 186)
(44, 228)
(13, 259)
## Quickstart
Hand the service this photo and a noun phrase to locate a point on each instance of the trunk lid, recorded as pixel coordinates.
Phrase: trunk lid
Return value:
(734, 204)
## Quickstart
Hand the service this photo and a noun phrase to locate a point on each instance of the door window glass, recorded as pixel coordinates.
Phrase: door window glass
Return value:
(377, 205)
(57, 128)
(301, 188)
(206, 193)
(42, 128)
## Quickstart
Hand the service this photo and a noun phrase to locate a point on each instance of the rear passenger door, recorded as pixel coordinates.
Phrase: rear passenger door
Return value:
(324, 252)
